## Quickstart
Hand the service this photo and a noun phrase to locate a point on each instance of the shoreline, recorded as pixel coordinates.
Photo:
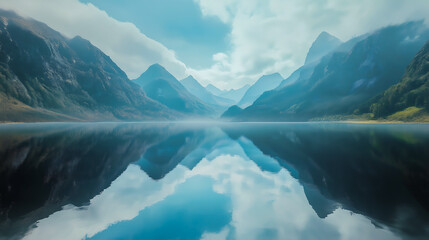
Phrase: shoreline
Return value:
(221, 122)
(380, 122)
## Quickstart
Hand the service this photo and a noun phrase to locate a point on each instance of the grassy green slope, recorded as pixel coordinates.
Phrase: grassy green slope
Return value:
(409, 99)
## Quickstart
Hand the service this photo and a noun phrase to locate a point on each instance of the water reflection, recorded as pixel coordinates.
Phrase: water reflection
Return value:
(232, 181)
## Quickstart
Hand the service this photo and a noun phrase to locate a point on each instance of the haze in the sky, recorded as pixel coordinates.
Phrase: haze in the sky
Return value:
(228, 43)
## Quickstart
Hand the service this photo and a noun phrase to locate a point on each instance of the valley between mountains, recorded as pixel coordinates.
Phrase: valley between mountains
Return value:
(381, 76)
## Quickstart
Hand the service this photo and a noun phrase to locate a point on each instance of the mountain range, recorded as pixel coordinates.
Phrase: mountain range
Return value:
(265, 83)
(163, 87)
(234, 94)
(345, 79)
(45, 76)
(195, 88)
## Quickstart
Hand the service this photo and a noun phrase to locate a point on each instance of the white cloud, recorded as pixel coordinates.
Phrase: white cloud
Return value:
(274, 35)
(280, 204)
(129, 194)
(133, 51)
(266, 35)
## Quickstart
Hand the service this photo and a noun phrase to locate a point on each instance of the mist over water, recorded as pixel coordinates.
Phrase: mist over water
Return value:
(214, 181)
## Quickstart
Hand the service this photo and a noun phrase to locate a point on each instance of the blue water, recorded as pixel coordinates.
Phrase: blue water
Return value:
(214, 181)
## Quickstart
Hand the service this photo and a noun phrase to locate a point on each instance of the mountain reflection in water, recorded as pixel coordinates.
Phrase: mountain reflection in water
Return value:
(230, 181)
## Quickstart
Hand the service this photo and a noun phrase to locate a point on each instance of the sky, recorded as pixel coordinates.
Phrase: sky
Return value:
(177, 24)
(231, 179)
(228, 43)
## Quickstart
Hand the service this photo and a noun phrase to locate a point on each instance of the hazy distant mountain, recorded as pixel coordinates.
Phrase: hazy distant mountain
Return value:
(45, 76)
(233, 94)
(214, 90)
(163, 87)
(346, 78)
(409, 99)
(265, 83)
(324, 44)
(195, 88)
(232, 112)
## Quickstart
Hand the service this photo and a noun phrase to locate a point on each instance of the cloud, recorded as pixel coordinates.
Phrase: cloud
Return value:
(266, 36)
(133, 51)
(123, 200)
(280, 206)
(274, 35)
(262, 203)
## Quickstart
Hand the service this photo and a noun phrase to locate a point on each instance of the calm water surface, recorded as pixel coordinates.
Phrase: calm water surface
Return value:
(199, 181)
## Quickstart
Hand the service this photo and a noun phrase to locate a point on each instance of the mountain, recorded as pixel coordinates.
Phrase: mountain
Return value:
(346, 78)
(232, 112)
(233, 94)
(45, 76)
(324, 44)
(195, 88)
(265, 83)
(307, 69)
(163, 87)
(214, 90)
(409, 99)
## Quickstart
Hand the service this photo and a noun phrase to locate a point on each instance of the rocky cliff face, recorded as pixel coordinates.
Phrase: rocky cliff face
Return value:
(44, 75)
(344, 80)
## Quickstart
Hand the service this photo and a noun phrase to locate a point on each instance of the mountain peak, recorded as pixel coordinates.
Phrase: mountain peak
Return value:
(323, 44)
(190, 80)
(156, 72)
(212, 86)
(79, 38)
(264, 83)
(156, 66)
(271, 76)
(58, 66)
(325, 35)
(196, 89)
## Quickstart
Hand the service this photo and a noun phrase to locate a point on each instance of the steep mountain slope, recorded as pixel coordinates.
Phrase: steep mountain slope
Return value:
(45, 76)
(234, 94)
(195, 88)
(307, 69)
(163, 87)
(324, 44)
(214, 90)
(343, 80)
(232, 112)
(265, 83)
(411, 93)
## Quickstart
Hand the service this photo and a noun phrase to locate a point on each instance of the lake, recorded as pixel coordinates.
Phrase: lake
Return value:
(214, 181)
